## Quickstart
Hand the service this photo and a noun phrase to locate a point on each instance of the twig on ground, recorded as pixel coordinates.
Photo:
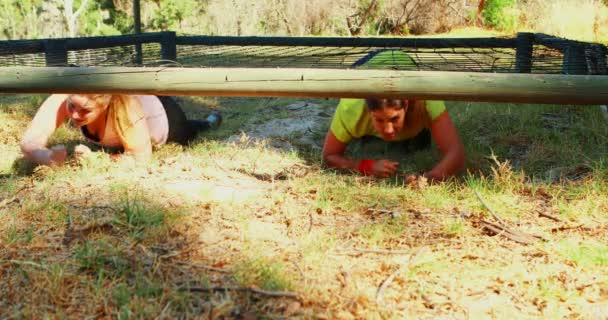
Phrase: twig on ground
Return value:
(202, 266)
(278, 294)
(357, 251)
(392, 213)
(550, 216)
(71, 234)
(310, 221)
(514, 296)
(583, 286)
(7, 201)
(488, 208)
(515, 231)
(564, 228)
(501, 228)
(397, 214)
(428, 302)
(162, 313)
(295, 264)
(387, 282)
(412, 259)
(28, 263)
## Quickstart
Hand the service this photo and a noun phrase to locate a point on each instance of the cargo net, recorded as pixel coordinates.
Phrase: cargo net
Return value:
(496, 60)
(544, 60)
(112, 56)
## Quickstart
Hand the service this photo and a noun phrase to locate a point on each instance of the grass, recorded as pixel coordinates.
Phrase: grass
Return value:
(123, 240)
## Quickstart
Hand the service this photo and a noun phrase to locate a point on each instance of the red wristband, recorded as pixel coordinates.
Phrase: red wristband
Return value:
(365, 166)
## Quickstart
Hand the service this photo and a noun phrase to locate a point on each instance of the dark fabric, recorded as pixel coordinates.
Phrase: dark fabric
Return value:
(419, 142)
(181, 130)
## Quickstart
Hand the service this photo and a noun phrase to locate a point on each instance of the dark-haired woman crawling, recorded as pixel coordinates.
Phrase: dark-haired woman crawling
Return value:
(392, 120)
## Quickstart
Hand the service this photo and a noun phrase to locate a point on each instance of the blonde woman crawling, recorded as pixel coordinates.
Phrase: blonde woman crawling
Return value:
(131, 123)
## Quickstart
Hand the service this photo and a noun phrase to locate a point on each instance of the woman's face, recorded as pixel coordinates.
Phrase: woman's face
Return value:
(83, 109)
(388, 121)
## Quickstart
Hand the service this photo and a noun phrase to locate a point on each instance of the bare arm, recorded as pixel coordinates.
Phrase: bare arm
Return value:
(333, 156)
(51, 114)
(452, 151)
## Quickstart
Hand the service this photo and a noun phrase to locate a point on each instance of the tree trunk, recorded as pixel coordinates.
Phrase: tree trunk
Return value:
(356, 29)
(71, 17)
(478, 17)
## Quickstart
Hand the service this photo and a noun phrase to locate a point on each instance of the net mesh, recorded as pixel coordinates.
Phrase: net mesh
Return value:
(544, 59)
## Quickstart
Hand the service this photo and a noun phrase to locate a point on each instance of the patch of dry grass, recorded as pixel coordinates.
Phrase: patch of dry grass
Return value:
(242, 230)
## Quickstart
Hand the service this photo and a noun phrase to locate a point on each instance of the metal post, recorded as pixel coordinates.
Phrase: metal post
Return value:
(595, 56)
(574, 59)
(168, 46)
(55, 52)
(137, 29)
(523, 52)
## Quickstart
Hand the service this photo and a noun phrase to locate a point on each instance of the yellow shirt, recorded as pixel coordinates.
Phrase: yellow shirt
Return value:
(352, 119)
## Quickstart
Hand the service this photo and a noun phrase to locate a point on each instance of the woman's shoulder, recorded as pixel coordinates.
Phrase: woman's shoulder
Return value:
(150, 104)
(351, 106)
(146, 99)
(434, 108)
(53, 107)
(350, 103)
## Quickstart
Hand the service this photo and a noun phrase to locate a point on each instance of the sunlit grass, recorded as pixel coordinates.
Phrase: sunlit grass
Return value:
(263, 273)
(583, 254)
(380, 235)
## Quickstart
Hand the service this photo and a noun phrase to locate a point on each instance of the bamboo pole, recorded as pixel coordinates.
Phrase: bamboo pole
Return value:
(277, 82)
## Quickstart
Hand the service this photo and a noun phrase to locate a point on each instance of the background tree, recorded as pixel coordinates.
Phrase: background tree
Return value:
(500, 14)
(71, 16)
(20, 18)
(478, 16)
(364, 11)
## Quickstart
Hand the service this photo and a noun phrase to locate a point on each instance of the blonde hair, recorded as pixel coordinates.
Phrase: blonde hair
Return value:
(124, 112)
(98, 101)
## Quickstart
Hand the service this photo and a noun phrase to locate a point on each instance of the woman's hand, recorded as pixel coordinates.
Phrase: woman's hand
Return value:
(57, 156)
(417, 181)
(81, 152)
(384, 168)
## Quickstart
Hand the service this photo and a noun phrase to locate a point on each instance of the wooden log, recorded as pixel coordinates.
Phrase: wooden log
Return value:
(277, 82)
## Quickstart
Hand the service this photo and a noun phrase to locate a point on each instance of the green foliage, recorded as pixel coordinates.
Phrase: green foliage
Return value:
(139, 219)
(19, 18)
(166, 16)
(380, 235)
(13, 235)
(265, 274)
(169, 14)
(103, 19)
(95, 256)
(501, 14)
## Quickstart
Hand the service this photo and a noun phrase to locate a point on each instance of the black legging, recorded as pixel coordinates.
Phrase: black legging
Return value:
(181, 130)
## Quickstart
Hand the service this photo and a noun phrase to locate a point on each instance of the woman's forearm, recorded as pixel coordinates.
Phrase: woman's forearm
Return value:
(39, 155)
(450, 164)
(339, 161)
